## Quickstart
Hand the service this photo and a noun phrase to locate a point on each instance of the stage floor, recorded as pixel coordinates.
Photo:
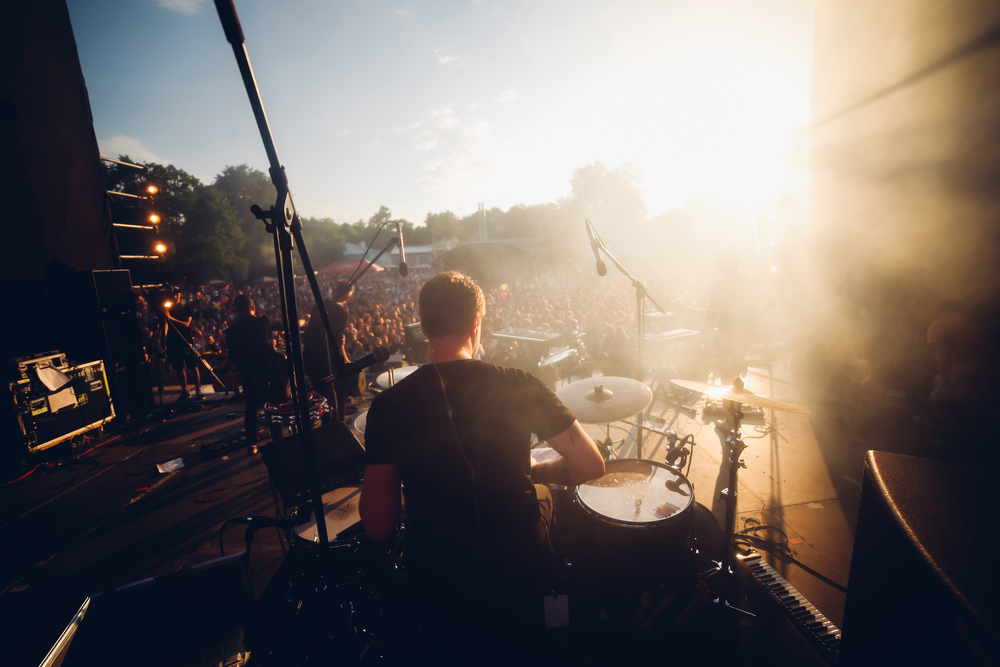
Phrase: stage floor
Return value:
(71, 530)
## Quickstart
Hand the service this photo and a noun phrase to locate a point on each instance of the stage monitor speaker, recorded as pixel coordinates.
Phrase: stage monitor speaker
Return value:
(192, 617)
(924, 580)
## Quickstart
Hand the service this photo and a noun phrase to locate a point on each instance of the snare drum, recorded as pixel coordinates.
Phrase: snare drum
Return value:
(642, 516)
(284, 414)
(351, 552)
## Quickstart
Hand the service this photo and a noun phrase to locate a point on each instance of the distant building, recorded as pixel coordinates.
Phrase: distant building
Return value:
(417, 256)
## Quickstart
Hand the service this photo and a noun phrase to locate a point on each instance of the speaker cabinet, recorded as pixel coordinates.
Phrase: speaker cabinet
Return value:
(924, 575)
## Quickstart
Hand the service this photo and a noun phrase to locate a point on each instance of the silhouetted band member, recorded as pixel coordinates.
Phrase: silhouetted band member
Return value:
(457, 433)
(323, 357)
(261, 367)
(737, 303)
(179, 353)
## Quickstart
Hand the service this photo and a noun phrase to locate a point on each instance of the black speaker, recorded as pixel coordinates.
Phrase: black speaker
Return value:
(105, 325)
(923, 578)
(196, 616)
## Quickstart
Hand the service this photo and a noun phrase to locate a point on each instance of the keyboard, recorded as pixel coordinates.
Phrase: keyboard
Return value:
(526, 335)
(822, 635)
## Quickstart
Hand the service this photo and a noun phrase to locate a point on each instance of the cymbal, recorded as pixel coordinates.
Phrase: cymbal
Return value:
(617, 399)
(399, 373)
(738, 394)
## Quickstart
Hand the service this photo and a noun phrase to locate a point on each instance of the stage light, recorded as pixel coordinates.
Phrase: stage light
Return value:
(152, 189)
(160, 248)
(167, 304)
(153, 218)
(770, 243)
(774, 269)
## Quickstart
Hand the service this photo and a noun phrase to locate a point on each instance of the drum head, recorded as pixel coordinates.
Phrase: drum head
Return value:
(559, 357)
(341, 509)
(637, 492)
(397, 374)
(361, 422)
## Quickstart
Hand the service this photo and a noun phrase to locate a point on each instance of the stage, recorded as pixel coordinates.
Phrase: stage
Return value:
(72, 530)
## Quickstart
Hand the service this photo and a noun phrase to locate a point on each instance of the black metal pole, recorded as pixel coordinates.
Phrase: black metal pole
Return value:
(282, 216)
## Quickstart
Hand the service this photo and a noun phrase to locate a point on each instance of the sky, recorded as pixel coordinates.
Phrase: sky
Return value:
(433, 106)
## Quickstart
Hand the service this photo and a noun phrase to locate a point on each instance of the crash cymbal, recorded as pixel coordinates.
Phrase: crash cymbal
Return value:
(383, 379)
(605, 399)
(738, 394)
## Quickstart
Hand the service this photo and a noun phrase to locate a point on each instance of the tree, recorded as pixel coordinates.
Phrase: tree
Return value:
(447, 226)
(242, 186)
(324, 242)
(209, 241)
(611, 196)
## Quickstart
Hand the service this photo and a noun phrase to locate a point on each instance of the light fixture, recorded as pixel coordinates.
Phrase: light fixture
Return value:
(153, 218)
(160, 248)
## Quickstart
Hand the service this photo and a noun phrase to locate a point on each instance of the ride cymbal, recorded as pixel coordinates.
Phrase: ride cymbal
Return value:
(605, 399)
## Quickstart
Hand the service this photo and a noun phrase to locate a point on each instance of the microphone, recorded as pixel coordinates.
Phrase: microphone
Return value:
(602, 268)
(403, 268)
(376, 356)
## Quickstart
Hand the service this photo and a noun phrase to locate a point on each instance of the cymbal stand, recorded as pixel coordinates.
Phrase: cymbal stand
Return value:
(640, 323)
(607, 446)
(734, 441)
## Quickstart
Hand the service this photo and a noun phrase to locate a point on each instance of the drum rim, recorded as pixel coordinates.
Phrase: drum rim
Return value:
(312, 517)
(569, 353)
(316, 401)
(639, 524)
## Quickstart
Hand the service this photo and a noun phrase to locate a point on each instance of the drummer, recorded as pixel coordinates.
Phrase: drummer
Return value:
(457, 433)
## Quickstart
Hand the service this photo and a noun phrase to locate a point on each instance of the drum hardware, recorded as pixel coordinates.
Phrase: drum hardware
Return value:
(641, 295)
(737, 394)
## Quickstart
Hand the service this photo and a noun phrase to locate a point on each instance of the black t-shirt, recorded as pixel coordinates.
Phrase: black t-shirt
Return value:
(322, 358)
(178, 333)
(248, 340)
(494, 411)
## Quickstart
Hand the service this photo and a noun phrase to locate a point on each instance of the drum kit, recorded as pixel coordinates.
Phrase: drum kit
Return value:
(643, 510)
(637, 526)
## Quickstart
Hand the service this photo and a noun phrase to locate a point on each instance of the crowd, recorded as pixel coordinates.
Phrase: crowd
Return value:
(601, 311)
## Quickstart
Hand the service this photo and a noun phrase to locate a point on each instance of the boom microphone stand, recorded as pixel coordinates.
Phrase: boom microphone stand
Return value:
(640, 322)
(283, 222)
(197, 354)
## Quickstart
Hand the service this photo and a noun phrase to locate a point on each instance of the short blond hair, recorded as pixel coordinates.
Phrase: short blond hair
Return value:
(448, 303)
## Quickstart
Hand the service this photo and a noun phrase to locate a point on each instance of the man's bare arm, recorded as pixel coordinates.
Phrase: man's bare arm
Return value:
(380, 501)
(579, 461)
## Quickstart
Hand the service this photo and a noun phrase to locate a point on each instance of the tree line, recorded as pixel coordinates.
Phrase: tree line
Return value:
(211, 234)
